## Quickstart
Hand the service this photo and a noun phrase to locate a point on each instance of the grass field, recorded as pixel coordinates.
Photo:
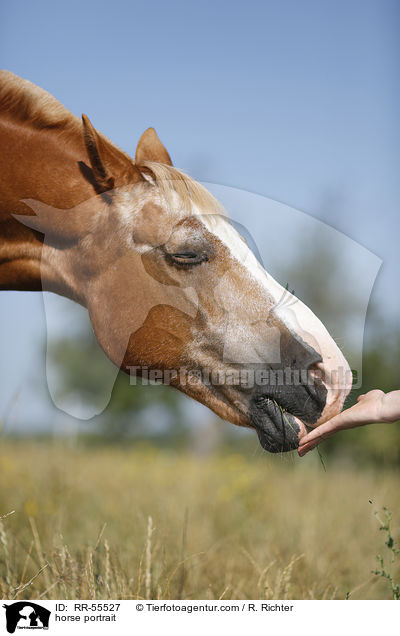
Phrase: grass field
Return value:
(138, 522)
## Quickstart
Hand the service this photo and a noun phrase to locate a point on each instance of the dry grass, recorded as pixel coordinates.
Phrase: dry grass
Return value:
(142, 523)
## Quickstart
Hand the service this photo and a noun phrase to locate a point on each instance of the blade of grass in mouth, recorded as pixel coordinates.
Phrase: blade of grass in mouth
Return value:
(282, 410)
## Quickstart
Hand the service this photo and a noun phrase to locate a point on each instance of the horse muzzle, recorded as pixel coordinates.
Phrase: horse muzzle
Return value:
(281, 414)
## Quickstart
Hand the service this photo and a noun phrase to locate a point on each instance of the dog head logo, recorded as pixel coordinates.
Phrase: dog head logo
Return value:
(26, 615)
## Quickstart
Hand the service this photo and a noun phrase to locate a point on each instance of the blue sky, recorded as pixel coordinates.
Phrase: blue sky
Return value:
(296, 101)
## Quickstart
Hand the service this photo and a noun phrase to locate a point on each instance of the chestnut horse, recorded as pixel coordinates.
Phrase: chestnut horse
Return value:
(169, 284)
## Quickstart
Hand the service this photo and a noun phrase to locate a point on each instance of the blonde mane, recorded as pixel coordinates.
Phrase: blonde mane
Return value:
(170, 180)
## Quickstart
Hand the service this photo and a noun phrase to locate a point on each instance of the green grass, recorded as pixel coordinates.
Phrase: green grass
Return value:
(390, 561)
(138, 522)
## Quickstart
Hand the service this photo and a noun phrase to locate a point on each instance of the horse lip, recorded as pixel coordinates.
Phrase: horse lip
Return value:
(277, 430)
(266, 442)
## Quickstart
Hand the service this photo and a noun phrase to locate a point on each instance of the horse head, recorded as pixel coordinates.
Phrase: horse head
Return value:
(172, 288)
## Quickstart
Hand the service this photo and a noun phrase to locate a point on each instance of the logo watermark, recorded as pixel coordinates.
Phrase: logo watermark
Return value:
(26, 615)
(241, 378)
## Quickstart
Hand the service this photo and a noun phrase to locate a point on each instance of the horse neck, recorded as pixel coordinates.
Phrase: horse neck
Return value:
(39, 164)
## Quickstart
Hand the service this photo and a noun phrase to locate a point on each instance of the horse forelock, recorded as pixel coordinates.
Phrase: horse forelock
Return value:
(192, 195)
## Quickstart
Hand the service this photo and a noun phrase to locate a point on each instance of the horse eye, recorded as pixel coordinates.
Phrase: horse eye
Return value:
(187, 259)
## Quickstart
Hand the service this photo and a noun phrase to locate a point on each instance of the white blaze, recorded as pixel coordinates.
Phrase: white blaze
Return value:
(243, 342)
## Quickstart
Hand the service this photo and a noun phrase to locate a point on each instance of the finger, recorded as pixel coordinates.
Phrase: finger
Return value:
(321, 432)
(303, 450)
(310, 443)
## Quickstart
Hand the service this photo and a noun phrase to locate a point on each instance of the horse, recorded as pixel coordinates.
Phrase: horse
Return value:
(170, 285)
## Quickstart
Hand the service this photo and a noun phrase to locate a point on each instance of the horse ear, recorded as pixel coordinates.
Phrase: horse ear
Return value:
(96, 150)
(150, 148)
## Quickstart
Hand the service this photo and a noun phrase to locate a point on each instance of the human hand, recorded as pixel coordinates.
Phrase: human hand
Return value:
(374, 406)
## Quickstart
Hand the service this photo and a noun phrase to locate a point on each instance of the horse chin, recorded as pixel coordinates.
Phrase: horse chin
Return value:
(217, 402)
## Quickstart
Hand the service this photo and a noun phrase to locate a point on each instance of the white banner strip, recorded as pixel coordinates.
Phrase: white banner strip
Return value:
(193, 617)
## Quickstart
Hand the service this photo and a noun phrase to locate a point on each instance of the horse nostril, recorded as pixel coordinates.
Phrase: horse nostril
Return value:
(317, 373)
(315, 386)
